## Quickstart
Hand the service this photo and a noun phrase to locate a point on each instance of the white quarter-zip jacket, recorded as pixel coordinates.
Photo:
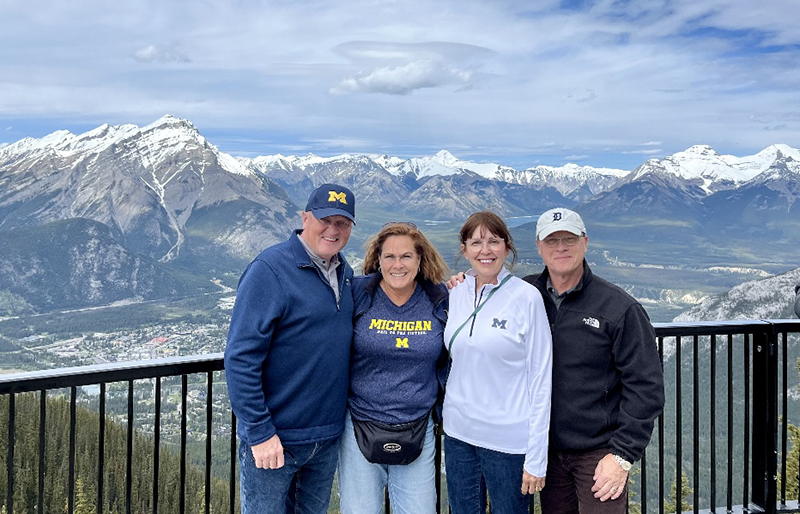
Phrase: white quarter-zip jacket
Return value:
(498, 391)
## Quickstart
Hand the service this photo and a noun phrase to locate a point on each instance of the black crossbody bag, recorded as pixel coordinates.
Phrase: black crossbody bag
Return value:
(391, 444)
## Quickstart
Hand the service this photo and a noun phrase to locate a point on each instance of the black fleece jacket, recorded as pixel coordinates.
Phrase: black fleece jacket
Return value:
(608, 383)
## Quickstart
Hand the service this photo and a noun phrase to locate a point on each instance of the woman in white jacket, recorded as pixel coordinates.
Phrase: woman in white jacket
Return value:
(497, 402)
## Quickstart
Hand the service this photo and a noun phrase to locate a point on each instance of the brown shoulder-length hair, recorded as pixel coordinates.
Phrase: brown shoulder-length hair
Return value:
(431, 264)
(491, 222)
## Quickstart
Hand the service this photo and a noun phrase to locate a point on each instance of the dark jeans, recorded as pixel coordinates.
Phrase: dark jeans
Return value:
(466, 465)
(301, 486)
(568, 487)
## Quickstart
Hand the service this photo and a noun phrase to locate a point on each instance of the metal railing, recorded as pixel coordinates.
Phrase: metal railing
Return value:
(731, 398)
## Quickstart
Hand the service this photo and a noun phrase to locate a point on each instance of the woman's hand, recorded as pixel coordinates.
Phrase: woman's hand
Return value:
(531, 484)
(455, 280)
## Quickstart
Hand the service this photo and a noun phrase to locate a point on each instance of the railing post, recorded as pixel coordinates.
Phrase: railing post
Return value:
(765, 421)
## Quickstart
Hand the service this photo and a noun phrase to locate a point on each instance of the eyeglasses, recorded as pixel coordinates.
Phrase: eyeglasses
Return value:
(406, 223)
(553, 242)
(494, 243)
(340, 224)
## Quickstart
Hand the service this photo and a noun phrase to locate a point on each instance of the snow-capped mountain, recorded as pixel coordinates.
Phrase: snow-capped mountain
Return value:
(649, 192)
(444, 164)
(146, 184)
(439, 187)
(783, 168)
(151, 180)
(458, 196)
(769, 298)
(701, 188)
(576, 182)
(690, 176)
(567, 179)
(703, 167)
(361, 173)
(762, 211)
(165, 193)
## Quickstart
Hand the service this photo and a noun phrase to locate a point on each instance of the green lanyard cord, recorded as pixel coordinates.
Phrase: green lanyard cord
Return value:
(475, 312)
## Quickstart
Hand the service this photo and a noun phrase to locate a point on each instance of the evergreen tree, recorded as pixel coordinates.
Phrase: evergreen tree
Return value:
(671, 505)
(634, 507)
(83, 503)
(87, 454)
(792, 461)
(792, 464)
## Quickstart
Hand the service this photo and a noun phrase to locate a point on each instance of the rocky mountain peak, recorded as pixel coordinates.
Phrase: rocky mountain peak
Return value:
(700, 150)
(144, 184)
(445, 158)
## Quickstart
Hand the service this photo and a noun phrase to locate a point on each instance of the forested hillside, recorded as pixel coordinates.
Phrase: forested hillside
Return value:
(56, 459)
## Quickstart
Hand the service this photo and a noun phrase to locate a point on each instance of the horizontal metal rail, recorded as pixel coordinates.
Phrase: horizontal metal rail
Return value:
(734, 378)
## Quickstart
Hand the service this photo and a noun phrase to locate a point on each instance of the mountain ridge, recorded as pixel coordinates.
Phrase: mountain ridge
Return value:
(765, 298)
(169, 195)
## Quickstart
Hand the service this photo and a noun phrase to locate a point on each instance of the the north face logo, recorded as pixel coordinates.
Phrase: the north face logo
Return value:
(592, 322)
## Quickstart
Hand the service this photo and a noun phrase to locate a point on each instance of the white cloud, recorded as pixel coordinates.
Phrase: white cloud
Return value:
(401, 80)
(649, 151)
(399, 69)
(508, 80)
(163, 53)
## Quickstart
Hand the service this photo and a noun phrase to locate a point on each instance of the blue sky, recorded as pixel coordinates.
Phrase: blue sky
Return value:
(520, 83)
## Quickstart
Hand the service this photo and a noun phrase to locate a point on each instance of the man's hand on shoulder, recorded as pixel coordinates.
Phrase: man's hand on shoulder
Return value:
(609, 479)
(269, 454)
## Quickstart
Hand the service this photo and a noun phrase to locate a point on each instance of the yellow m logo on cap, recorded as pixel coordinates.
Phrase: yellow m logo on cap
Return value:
(333, 196)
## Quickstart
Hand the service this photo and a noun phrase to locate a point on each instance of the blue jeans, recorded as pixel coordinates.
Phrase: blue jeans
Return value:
(412, 487)
(467, 466)
(301, 486)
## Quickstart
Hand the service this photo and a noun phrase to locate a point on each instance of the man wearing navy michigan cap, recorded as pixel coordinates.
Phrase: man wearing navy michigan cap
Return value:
(287, 360)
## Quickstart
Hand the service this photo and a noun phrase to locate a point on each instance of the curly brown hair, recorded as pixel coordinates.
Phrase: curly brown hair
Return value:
(431, 264)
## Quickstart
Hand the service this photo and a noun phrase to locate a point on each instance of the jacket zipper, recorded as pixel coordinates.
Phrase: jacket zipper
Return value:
(478, 302)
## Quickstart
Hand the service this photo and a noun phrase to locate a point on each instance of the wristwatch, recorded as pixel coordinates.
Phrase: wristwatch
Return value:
(624, 464)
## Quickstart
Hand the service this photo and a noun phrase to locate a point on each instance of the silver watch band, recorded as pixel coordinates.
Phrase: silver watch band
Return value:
(624, 464)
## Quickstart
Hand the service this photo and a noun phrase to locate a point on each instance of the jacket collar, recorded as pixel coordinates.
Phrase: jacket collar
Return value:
(301, 256)
(474, 281)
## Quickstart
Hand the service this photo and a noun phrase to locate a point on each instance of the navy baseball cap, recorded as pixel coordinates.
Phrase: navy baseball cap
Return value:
(331, 200)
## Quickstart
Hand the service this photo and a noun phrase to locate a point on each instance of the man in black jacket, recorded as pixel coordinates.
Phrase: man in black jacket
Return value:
(608, 384)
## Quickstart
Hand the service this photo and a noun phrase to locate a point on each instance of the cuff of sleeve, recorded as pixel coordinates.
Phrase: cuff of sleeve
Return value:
(259, 433)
